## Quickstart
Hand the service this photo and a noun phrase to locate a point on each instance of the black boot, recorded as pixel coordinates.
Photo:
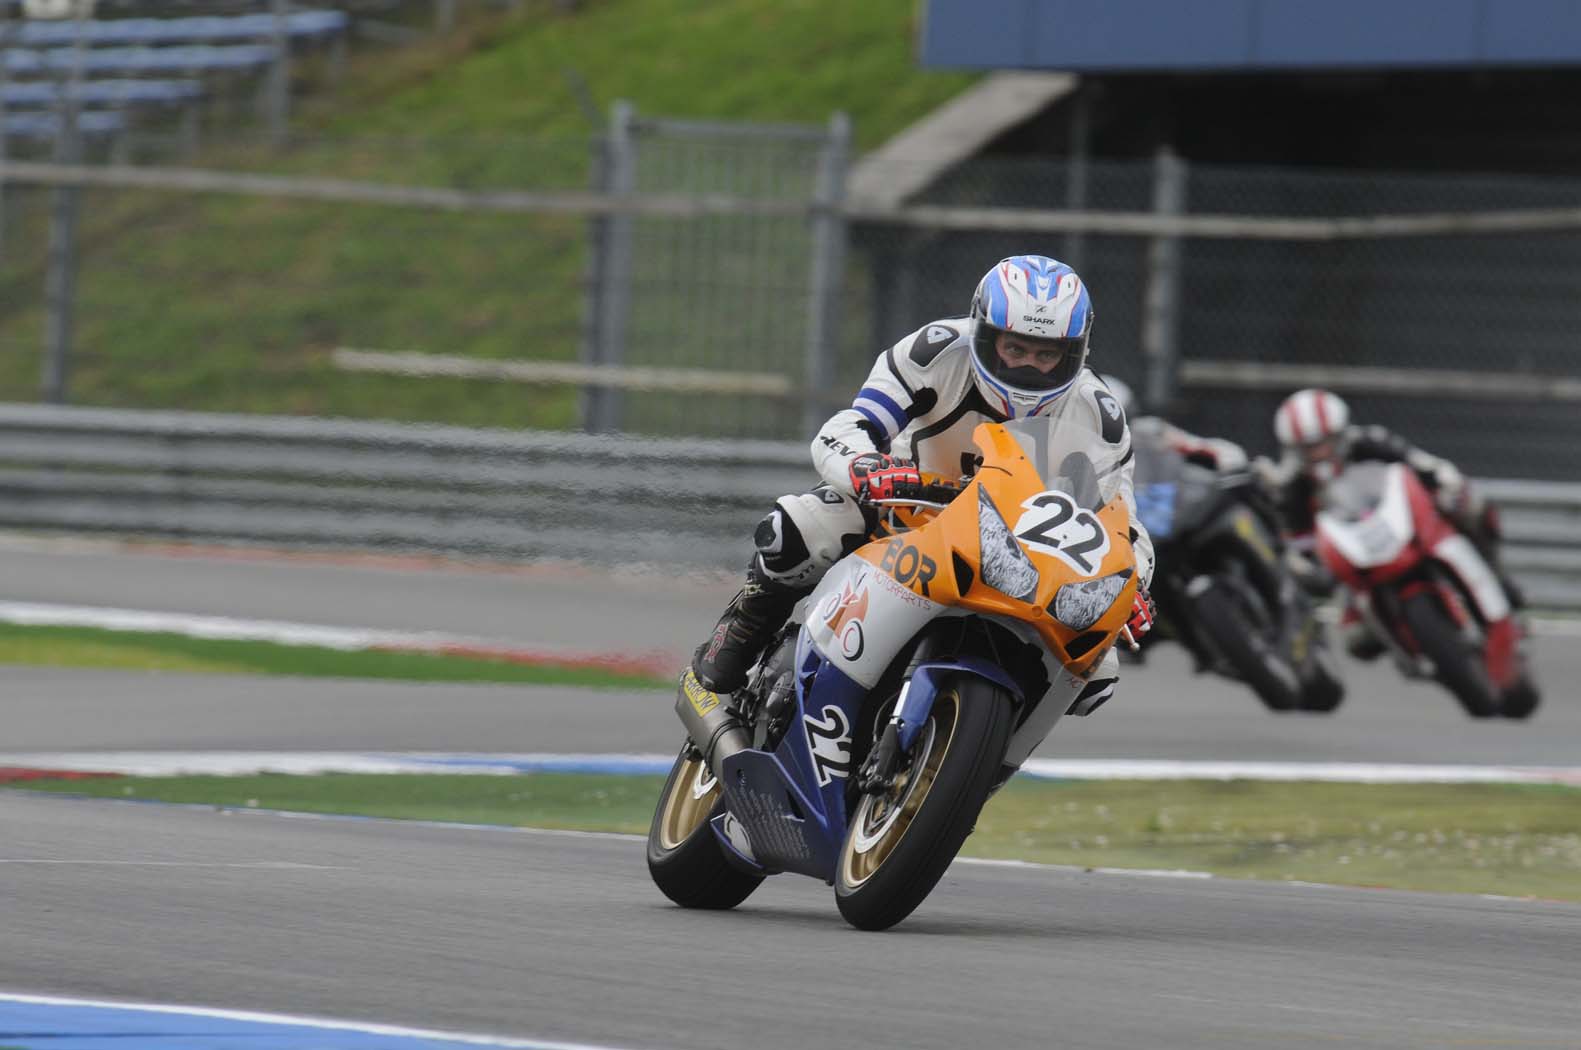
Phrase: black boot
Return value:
(744, 631)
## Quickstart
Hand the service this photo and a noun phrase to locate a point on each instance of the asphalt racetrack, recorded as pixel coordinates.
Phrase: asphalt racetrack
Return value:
(562, 937)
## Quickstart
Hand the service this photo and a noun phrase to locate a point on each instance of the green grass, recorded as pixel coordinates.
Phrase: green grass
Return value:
(153, 651)
(1510, 840)
(231, 304)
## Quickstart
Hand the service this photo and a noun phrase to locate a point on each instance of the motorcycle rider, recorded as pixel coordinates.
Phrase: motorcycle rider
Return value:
(1218, 454)
(1317, 441)
(1021, 351)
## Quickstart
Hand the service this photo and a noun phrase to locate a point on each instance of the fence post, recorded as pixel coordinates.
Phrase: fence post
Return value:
(1076, 168)
(1161, 299)
(60, 278)
(827, 270)
(280, 75)
(5, 73)
(610, 293)
(444, 15)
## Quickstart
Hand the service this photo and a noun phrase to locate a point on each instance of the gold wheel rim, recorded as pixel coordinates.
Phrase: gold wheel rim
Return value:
(881, 821)
(692, 795)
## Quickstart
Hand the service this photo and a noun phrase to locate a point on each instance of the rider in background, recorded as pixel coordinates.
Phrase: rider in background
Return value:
(1021, 351)
(1317, 441)
(1218, 454)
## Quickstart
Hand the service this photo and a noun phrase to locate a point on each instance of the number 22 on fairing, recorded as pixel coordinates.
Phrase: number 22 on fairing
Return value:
(1053, 524)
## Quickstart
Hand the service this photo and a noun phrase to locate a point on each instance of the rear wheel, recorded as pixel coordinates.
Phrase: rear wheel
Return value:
(1456, 659)
(1324, 688)
(1240, 641)
(684, 857)
(900, 842)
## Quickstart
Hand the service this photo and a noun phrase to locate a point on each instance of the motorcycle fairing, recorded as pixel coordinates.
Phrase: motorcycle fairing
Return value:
(1458, 552)
(791, 803)
(1378, 539)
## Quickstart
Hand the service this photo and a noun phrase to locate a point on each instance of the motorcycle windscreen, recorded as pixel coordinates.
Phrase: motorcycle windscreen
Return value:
(1367, 514)
(1072, 457)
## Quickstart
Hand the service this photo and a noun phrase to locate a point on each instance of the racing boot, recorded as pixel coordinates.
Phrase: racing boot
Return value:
(749, 623)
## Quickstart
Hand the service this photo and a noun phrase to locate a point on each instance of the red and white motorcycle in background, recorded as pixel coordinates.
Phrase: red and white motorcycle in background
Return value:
(1424, 589)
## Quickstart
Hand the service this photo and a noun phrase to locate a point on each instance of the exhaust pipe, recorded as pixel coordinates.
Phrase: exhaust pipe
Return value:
(710, 723)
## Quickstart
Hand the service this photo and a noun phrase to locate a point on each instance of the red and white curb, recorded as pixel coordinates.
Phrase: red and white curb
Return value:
(23, 765)
(227, 628)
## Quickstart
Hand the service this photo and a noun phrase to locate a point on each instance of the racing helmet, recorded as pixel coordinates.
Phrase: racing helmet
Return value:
(1310, 425)
(1040, 309)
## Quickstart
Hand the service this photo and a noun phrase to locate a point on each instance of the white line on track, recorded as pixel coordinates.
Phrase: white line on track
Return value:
(305, 1022)
(266, 865)
(247, 763)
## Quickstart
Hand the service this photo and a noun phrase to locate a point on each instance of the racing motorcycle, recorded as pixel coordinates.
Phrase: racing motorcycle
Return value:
(1424, 590)
(1223, 587)
(924, 669)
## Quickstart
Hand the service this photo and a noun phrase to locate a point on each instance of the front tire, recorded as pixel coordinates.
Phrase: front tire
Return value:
(1239, 641)
(1457, 663)
(900, 843)
(1324, 687)
(684, 857)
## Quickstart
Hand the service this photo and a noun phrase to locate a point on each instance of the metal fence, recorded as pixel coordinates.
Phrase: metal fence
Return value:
(638, 263)
(607, 499)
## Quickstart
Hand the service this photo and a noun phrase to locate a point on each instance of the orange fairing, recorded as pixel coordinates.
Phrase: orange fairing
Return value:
(933, 549)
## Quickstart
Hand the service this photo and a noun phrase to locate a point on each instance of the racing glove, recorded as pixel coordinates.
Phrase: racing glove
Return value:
(1142, 613)
(875, 475)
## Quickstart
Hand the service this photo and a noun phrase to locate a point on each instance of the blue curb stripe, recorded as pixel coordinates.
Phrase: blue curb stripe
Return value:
(38, 1023)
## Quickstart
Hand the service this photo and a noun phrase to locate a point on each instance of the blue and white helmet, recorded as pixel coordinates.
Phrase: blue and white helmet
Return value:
(1043, 301)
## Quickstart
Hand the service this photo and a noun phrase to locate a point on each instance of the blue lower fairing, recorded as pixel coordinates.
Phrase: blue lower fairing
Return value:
(791, 803)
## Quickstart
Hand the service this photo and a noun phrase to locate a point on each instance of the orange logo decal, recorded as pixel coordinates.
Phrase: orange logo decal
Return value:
(851, 607)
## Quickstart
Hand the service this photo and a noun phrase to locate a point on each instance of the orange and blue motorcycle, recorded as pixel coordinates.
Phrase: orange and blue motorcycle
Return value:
(923, 671)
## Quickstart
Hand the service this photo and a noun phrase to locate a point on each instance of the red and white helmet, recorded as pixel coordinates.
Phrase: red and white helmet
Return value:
(1310, 425)
(1310, 417)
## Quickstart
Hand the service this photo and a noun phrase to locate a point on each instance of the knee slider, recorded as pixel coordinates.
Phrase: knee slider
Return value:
(780, 544)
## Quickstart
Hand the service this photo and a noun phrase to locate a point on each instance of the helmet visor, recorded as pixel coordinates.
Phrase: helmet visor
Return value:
(1027, 362)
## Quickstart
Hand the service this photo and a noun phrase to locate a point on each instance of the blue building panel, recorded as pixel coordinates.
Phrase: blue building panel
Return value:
(1202, 33)
(1230, 35)
(1369, 33)
(1536, 31)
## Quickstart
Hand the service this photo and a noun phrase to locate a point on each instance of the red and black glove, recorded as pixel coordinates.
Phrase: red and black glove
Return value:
(875, 475)
(1142, 613)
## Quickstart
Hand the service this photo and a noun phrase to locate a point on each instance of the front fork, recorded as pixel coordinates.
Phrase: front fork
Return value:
(924, 679)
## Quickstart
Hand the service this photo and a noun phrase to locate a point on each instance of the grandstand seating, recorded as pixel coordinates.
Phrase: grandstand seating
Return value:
(158, 61)
(299, 25)
(46, 126)
(114, 93)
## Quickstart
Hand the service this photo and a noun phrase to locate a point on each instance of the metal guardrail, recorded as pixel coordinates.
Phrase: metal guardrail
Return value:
(315, 482)
(274, 480)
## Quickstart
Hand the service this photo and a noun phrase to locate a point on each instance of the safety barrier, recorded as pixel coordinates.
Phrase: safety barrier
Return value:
(273, 480)
(610, 499)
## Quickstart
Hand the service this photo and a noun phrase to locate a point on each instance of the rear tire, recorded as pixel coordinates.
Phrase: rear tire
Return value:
(1456, 662)
(1324, 688)
(684, 857)
(1231, 633)
(900, 844)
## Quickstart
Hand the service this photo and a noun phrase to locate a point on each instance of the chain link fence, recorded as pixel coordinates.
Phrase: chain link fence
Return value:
(704, 280)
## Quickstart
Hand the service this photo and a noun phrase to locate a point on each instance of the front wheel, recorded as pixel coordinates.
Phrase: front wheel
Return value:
(685, 859)
(1457, 661)
(900, 843)
(1324, 687)
(1241, 642)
